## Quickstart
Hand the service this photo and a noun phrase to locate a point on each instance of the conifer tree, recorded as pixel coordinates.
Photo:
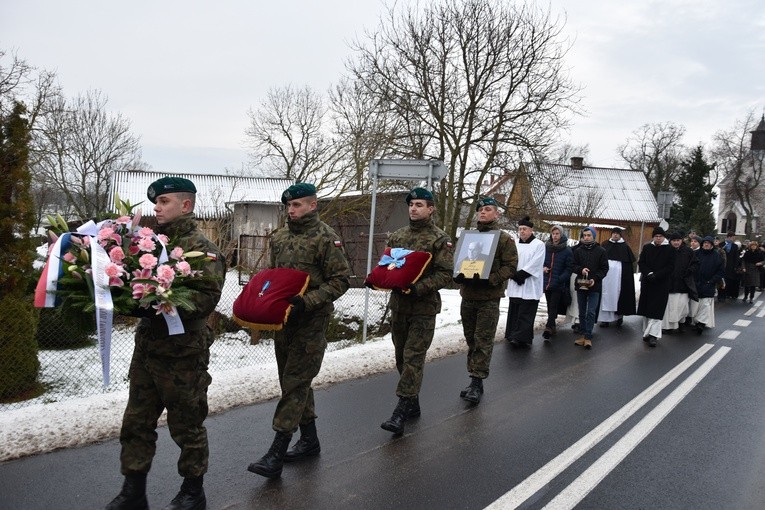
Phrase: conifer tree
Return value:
(18, 350)
(693, 207)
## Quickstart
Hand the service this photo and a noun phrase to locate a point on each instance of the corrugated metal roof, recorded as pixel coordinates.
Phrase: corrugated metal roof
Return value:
(213, 191)
(609, 193)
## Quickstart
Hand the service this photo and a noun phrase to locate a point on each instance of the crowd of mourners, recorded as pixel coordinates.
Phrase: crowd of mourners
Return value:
(680, 278)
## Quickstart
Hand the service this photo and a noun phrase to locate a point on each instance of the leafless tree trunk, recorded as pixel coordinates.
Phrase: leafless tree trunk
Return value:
(657, 151)
(743, 169)
(479, 84)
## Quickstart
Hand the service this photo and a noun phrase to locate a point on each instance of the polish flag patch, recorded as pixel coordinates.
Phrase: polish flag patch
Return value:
(212, 256)
(338, 244)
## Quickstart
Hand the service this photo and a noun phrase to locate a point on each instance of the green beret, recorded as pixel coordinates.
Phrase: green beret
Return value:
(419, 193)
(169, 185)
(298, 190)
(482, 201)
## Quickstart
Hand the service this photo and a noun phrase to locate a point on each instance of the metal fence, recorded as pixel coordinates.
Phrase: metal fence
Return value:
(69, 358)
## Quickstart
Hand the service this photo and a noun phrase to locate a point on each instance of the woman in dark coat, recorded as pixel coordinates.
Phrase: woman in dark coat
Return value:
(710, 272)
(753, 261)
(557, 272)
(656, 262)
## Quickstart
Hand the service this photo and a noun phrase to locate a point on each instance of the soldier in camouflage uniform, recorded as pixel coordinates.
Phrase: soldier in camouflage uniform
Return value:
(480, 300)
(310, 245)
(414, 309)
(170, 371)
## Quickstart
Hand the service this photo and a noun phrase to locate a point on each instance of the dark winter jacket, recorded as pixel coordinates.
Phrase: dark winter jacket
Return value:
(593, 257)
(656, 264)
(682, 279)
(559, 260)
(711, 271)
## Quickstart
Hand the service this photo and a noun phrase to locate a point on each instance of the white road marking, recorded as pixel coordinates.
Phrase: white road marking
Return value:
(544, 475)
(592, 476)
(750, 311)
(729, 334)
(741, 323)
(761, 313)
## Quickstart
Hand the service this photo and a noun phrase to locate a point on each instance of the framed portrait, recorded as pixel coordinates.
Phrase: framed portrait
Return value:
(475, 253)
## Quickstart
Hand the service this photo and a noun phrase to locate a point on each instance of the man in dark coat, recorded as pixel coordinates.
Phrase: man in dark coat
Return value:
(619, 254)
(656, 262)
(682, 287)
(591, 266)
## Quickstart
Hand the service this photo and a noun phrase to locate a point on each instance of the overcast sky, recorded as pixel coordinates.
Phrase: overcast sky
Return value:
(186, 72)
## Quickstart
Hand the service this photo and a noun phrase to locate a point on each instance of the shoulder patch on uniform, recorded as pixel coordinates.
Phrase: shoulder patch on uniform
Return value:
(338, 243)
(449, 244)
(212, 256)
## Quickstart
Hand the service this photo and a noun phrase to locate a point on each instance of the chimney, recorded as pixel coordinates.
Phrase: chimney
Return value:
(577, 163)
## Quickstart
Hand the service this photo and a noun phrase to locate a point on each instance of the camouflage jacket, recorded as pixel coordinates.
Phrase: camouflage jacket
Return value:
(183, 232)
(310, 245)
(424, 235)
(503, 268)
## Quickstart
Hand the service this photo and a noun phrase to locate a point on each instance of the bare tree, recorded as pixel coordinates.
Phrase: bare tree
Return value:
(288, 135)
(743, 167)
(475, 83)
(562, 153)
(364, 130)
(78, 144)
(657, 151)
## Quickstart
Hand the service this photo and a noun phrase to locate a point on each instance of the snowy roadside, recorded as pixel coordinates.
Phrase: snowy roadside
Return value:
(44, 427)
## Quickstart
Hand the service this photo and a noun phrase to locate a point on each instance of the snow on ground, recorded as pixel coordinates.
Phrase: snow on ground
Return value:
(43, 427)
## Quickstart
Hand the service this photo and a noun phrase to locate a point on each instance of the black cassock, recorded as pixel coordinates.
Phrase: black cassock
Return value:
(654, 291)
(621, 252)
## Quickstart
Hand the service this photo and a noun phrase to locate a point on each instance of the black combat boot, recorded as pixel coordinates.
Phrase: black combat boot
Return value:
(401, 413)
(414, 407)
(190, 497)
(306, 446)
(133, 494)
(270, 464)
(473, 392)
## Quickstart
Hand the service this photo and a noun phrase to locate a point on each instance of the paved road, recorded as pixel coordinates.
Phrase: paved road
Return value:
(621, 426)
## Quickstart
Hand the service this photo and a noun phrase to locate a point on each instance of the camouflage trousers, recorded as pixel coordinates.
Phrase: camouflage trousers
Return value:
(479, 323)
(412, 336)
(299, 350)
(178, 384)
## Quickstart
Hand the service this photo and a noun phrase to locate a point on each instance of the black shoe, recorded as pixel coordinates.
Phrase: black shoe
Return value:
(474, 392)
(605, 324)
(699, 328)
(514, 343)
(270, 465)
(575, 328)
(307, 446)
(190, 497)
(651, 341)
(619, 322)
(401, 413)
(547, 333)
(133, 494)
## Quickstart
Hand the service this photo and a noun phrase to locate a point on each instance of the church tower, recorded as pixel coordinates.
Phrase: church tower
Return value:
(758, 136)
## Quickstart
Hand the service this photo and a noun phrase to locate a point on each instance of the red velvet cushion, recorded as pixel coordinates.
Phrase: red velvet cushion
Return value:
(390, 277)
(263, 304)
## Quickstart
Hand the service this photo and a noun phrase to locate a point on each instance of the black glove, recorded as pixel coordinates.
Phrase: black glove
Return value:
(518, 279)
(368, 284)
(298, 306)
(476, 277)
(460, 278)
(412, 289)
